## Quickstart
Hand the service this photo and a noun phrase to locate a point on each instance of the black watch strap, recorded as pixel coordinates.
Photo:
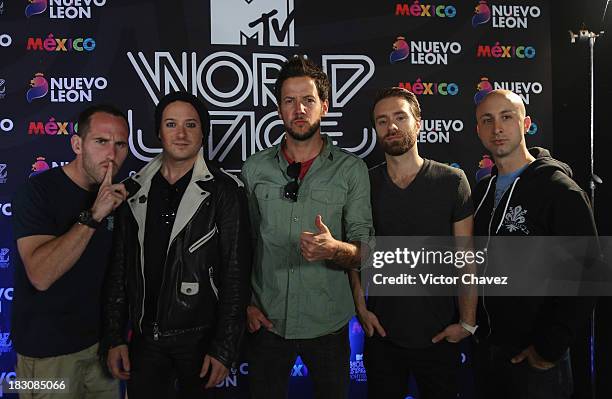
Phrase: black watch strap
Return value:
(86, 218)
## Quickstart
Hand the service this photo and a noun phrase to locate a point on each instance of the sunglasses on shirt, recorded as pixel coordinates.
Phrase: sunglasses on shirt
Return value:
(292, 188)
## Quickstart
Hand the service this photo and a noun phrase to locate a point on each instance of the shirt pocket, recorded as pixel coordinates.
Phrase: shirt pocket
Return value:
(271, 205)
(329, 204)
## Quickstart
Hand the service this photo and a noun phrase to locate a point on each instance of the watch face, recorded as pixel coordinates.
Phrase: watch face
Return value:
(86, 218)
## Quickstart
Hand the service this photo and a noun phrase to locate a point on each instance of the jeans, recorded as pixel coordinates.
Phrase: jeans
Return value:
(388, 367)
(497, 377)
(271, 358)
(157, 365)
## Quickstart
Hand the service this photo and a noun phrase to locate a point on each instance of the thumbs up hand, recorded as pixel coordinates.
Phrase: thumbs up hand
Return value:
(320, 245)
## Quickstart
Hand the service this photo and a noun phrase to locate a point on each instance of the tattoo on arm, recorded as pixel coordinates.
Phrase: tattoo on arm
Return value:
(348, 255)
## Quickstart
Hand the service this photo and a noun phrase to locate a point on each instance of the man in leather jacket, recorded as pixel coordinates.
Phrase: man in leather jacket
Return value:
(181, 264)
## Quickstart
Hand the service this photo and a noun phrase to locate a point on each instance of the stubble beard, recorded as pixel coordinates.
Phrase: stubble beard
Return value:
(307, 134)
(94, 175)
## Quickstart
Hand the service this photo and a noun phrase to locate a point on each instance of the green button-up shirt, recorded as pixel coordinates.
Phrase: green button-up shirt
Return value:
(305, 299)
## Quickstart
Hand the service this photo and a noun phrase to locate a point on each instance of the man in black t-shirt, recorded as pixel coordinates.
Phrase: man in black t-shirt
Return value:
(63, 227)
(412, 196)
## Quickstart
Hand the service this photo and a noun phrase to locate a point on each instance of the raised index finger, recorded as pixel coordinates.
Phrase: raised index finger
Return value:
(108, 177)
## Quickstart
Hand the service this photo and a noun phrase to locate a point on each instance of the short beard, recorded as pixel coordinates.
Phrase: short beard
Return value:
(399, 148)
(90, 170)
(306, 135)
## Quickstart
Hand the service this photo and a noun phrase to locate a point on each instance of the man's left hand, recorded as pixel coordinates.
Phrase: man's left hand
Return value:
(453, 333)
(218, 371)
(318, 246)
(534, 359)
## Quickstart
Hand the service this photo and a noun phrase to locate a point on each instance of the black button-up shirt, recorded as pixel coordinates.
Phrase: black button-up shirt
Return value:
(163, 202)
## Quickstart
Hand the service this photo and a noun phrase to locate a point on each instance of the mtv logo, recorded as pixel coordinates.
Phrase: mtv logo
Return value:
(252, 22)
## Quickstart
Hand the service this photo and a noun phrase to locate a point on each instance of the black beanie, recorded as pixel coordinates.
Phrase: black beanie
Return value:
(188, 98)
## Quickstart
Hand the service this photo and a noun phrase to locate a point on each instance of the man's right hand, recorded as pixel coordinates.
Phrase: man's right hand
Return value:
(118, 362)
(370, 324)
(110, 196)
(255, 319)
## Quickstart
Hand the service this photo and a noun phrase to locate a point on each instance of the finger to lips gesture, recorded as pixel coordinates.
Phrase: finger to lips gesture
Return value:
(110, 195)
(320, 245)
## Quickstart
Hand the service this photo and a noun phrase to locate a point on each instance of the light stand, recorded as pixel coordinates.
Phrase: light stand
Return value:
(584, 35)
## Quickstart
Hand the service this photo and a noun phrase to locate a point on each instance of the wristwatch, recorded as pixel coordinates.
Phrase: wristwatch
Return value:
(468, 328)
(86, 218)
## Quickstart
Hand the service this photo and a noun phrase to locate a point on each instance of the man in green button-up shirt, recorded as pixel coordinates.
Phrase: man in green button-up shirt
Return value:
(310, 209)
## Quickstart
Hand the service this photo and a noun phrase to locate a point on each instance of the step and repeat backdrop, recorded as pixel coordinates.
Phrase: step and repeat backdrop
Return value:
(59, 56)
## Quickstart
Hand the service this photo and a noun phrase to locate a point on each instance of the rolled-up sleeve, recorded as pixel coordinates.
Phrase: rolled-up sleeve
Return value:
(357, 214)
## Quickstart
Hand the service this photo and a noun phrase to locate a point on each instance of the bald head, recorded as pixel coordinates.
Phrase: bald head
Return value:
(514, 100)
(501, 124)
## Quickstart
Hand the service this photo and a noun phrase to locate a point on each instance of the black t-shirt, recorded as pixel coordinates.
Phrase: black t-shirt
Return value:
(162, 203)
(438, 196)
(66, 317)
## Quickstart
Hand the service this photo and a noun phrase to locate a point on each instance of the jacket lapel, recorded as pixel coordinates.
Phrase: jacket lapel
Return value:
(191, 201)
(193, 197)
(138, 202)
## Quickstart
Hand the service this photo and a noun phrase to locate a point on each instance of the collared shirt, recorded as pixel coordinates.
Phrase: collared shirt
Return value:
(305, 299)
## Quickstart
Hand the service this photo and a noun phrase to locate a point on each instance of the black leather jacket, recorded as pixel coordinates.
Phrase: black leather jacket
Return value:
(206, 275)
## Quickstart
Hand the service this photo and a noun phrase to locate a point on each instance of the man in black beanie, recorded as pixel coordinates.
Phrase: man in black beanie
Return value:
(181, 264)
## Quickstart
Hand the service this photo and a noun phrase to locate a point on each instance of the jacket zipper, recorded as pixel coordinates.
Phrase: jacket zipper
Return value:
(203, 240)
(144, 293)
(489, 229)
(212, 282)
(156, 332)
(483, 288)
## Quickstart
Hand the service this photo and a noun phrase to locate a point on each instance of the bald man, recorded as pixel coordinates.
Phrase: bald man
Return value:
(524, 351)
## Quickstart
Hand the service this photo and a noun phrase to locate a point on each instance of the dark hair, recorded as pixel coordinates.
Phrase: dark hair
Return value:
(409, 96)
(298, 66)
(85, 116)
(187, 98)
